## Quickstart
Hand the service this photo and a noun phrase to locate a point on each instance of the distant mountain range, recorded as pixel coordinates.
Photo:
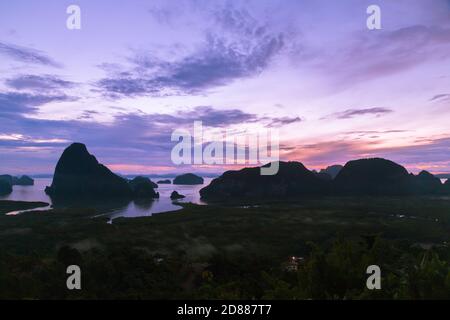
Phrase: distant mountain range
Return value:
(170, 175)
(364, 177)
(79, 174)
(131, 176)
(205, 175)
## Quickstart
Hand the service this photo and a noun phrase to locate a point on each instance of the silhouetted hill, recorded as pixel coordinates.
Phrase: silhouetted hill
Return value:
(79, 174)
(292, 180)
(7, 178)
(373, 177)
(332, 171)
(164, 181)
(447, 186)
(16, 181)
(188, 179)
(384, 177)
(5, 187)
(175, 196)
(143, 187)
(323, 175)
(23, 181)
(426, 183)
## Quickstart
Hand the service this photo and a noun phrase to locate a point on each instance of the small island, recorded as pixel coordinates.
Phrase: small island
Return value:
(7, 182)
(143, 187)
(23, 181)
(188, 179)
(176, 196)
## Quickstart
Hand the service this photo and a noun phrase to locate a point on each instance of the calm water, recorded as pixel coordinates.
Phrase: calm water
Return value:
(132, 209)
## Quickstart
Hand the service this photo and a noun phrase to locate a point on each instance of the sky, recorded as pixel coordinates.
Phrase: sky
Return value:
(311, 69)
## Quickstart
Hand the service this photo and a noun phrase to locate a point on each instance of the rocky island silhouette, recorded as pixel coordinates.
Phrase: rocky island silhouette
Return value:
(78, 174)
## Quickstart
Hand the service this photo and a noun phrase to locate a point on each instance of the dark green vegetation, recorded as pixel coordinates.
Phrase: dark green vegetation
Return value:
(188, 179)
(5, 187)
(234, 253)
(364, 177)
(8, 206)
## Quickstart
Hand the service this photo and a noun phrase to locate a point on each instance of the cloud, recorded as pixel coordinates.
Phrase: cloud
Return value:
(163, 15)
(242, 49)
(350, 113)
(132, 138)
(427, 151)
(218, 118)
(27, 55)
(282, 121)
(39, 82)
(146, 134)
(148, 141)
(444, 96)
(325, 153)
(215, 65)
(431, 154)
(26, 103)
(371, 55)
(380, 135)
(371, 132)
(88, 114)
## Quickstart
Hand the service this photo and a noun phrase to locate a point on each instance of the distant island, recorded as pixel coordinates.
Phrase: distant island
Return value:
(7, 181)
(143, 187)
(17, 181)
(176, 196)
(188, 179)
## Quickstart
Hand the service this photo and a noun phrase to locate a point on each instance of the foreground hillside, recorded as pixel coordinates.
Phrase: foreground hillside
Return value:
(225, 252)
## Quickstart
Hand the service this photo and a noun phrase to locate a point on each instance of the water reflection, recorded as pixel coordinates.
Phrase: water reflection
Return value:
(113, 208)
(144, 204)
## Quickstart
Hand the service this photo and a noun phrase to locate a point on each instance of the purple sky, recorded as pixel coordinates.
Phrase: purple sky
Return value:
(134, 73)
